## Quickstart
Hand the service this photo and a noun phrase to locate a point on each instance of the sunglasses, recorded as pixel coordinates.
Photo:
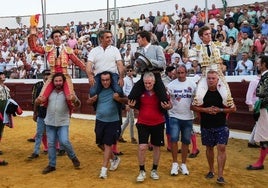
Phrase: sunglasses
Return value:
(129, 70)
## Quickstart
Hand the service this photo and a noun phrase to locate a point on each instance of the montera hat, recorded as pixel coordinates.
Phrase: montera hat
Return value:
(143, 59)
(46, 72)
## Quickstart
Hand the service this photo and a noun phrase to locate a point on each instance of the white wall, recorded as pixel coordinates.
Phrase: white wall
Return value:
(130, 11)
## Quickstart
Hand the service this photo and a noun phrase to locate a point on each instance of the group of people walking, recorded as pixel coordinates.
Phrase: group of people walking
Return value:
(156, 103)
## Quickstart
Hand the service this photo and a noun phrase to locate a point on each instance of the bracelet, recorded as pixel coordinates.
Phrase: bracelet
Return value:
(221, 110)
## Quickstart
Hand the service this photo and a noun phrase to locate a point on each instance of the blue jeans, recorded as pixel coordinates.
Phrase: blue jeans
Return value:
(40, 128)
(178, 126)
(96, 89)
(62, 133)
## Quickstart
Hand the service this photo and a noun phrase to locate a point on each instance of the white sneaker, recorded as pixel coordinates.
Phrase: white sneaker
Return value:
(184, 169)
(103, 173)
(154, 175)
(141, 177)
(114, 163)
(174, 169)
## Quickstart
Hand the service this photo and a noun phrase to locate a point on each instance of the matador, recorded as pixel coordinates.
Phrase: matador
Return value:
(58, 57)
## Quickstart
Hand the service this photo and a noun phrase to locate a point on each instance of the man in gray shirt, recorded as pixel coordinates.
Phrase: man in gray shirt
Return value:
(57, 122)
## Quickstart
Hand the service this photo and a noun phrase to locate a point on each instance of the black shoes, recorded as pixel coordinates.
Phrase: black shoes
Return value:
(194, 155)
(250, 167)
(76, 162)
(48, 169)
(31, 140)
(121, 139)
(3, 163)
(61, 152)
(210, 175)
(250, 145)
(220, 180)
(33, 156)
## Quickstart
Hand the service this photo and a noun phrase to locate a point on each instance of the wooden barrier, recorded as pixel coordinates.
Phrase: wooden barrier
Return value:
(241, 120)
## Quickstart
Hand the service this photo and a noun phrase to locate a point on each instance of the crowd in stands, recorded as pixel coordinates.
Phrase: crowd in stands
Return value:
(241, 33)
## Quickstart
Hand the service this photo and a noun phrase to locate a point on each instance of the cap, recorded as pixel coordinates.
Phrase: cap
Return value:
(245, 22)
(46, 72)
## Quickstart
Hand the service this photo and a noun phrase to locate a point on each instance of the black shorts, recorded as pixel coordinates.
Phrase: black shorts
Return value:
(156, 132)
(107, 132)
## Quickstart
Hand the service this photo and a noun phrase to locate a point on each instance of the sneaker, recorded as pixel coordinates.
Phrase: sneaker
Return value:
(154, 175)
(220, 180)
(210, 175)
(115, 163)
(141, 177)
(174, 169)
(184, 169)
(103, 173)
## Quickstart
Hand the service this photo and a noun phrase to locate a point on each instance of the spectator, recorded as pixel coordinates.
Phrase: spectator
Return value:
(244, 66)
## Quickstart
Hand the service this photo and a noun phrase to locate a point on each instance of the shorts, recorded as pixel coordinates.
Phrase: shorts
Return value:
(213, 136)
(156, 132)
(107, 132)
(180, 127)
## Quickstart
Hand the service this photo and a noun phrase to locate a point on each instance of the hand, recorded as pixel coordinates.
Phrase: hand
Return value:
(131, 103)
(91, 100)
(210, 110)
(166, 105)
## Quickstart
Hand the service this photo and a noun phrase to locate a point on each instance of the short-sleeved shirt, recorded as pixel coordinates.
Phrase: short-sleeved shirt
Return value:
(57, 110)
(213, 98)
(104, 60)
(107, 110)
(181, 95)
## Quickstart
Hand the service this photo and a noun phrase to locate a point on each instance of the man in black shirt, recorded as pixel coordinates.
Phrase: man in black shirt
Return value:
(214, 131)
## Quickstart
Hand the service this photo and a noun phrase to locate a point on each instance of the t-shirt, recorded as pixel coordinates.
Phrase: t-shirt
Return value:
(149, 111)
(107, 109)
(181, 95)
(213, 98)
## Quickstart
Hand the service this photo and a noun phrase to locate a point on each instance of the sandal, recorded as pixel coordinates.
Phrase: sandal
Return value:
(3, 163)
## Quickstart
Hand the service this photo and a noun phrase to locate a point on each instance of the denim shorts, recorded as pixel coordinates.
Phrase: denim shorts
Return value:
(180, 127)
(213, 136)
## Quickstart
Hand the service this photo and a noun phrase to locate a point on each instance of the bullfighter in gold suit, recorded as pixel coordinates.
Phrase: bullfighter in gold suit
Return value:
(58, 57)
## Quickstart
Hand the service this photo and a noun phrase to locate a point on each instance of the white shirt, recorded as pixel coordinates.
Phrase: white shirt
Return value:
(104, 60)
(245, 70)
(181, 94)
(128, 85)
